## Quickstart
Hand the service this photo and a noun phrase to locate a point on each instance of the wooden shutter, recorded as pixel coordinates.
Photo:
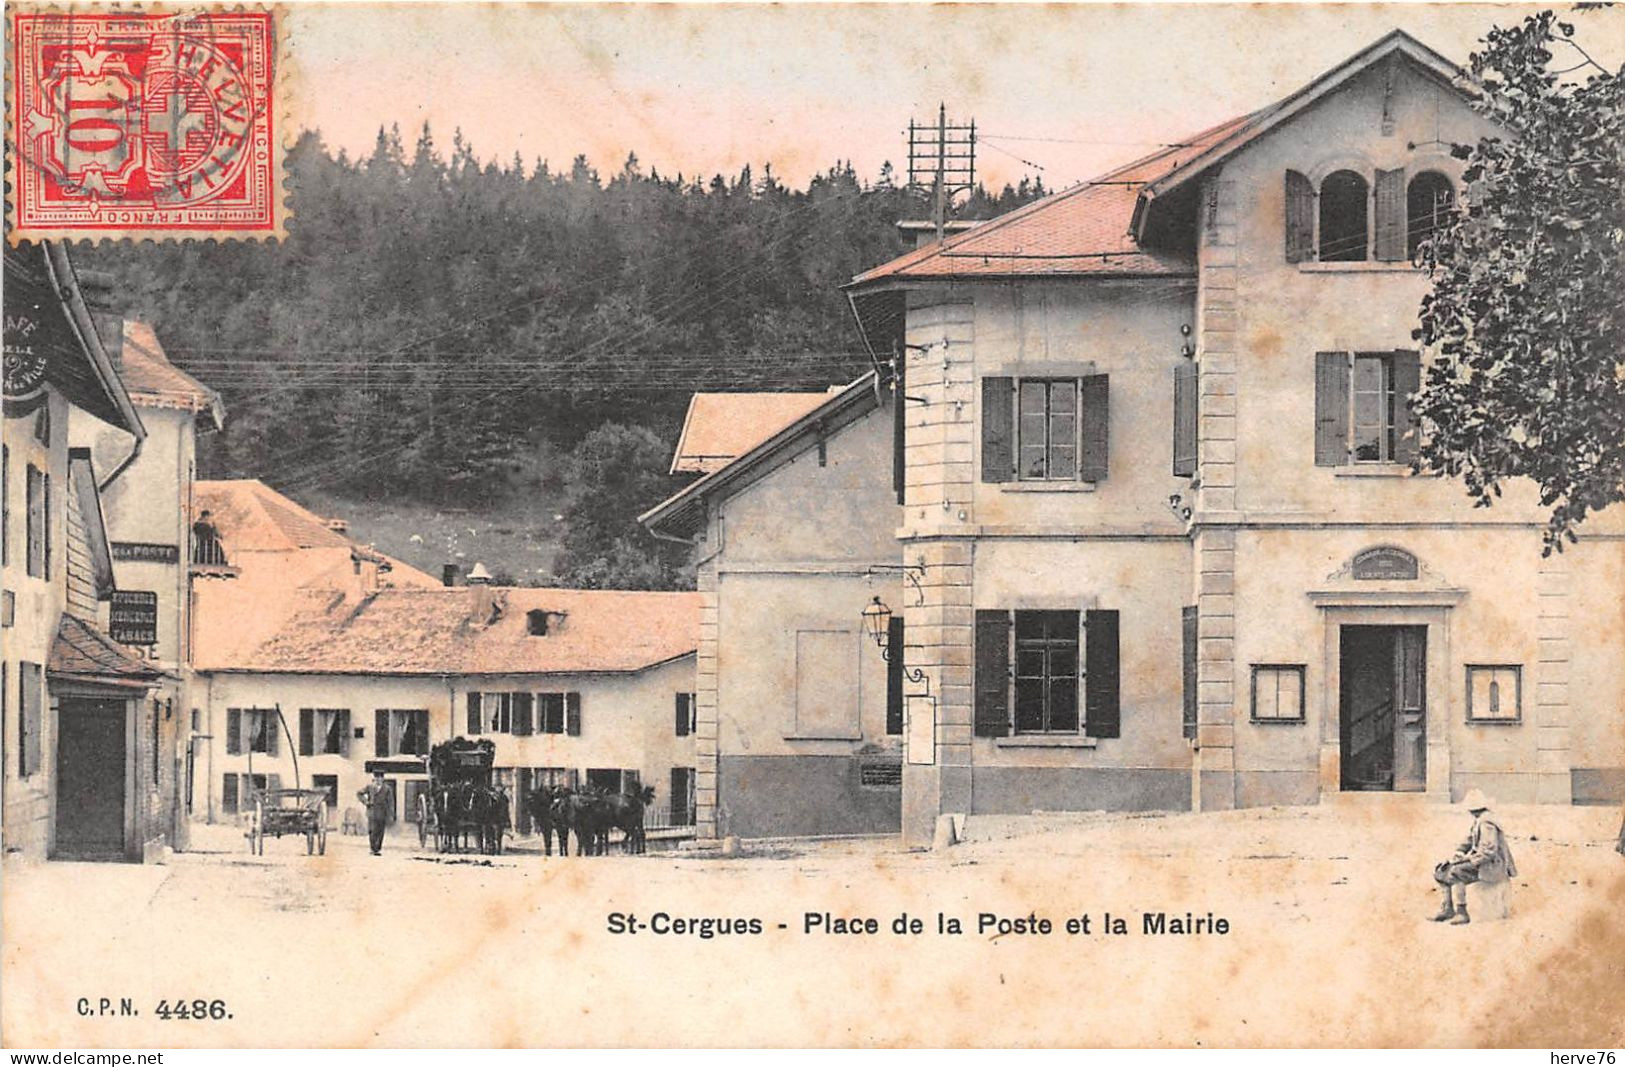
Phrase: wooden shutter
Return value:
(992, 673)
(899, 412)
(273, 730)
(474, 724)
(380, 732)
(1331, 409)
(307, 731)
(1188, 619)
(1185, 383)
(1300, 218)
(998, 429)
(1391, 214)
(1407, 380)
(1095, 407)
(273, 781)
(572, 714)
(228, 793)
(234, 731)
(894, 676)
(522, 705)
(344, 733)
(1102, 710)
(681, 723)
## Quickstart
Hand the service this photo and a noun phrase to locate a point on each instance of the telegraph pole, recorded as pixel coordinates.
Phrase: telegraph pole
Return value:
(941, 161)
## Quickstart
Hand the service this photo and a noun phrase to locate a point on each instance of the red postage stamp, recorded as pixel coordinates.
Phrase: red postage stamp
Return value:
(143, 124)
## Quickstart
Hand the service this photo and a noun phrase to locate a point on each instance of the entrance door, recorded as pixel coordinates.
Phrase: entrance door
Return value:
(1383, 720)
(90, 756)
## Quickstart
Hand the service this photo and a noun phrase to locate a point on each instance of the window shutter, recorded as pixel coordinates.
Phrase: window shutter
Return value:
(380, 732)
(1102, 711)
(522, 705)
(894, 676)
(234, 731)
(1391, 214)
(1407, 380)
(572, 714)
(998, 431)
(307, 731)
(344, 733)
(1185, 384)
(1300, 217)
(1096, 427)
(273, 781)
(474, 725)
(228, 794)
(1188, 619)
(273, 730)
(992, 673)
(899, 403)
(1331, 409)
(682, 715)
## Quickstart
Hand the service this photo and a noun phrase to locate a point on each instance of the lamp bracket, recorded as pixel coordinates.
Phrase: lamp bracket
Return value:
(911, 572)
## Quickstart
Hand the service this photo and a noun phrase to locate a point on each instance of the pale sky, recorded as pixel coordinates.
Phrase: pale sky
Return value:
(709, 88)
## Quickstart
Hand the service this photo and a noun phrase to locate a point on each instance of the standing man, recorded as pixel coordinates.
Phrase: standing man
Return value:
(1483, 857)
(379, 799)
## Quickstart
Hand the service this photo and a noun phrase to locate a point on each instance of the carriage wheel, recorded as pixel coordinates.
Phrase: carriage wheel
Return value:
(321, 836)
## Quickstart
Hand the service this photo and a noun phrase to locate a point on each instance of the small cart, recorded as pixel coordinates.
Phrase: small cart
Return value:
(289, 811)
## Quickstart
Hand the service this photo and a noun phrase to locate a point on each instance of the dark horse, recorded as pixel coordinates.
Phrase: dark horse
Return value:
(588, 814)
(549, 812)
(626, 815)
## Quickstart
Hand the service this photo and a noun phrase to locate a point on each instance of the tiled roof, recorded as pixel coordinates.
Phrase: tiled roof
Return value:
(253, 516)
(82, 651)
(721, 427)
(473, 630)
(1081, 230)
(153, 380)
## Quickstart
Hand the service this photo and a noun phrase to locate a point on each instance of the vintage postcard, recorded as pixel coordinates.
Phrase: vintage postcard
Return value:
(813, 525)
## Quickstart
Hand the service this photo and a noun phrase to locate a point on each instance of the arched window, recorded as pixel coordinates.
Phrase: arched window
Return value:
(1344, 203)
(1427, 201)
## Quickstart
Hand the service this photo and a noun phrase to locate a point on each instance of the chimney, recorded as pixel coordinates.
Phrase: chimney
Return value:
(339, 526)
(98, 289)
(448, 575)
(479, 575)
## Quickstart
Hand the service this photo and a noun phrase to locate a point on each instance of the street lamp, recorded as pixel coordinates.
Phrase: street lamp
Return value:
(877, 623)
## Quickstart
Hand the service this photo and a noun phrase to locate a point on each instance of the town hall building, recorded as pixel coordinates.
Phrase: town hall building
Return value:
(1159, 540)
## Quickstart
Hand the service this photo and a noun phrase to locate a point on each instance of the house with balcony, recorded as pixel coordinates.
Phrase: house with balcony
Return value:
(1155, 448)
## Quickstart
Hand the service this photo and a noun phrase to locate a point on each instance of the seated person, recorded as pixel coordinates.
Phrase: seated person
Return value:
(1483, 857)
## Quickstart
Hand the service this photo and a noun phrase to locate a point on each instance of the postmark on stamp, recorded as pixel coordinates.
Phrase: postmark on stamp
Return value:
(146, 124)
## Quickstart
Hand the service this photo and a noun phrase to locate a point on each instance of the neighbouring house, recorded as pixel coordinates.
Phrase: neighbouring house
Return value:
(574, 687)
(799, 715)
(1157, 477)
(148, 512)
(88, 766)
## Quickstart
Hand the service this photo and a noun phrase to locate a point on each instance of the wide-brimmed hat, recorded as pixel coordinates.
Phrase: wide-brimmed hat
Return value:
(1475, 800)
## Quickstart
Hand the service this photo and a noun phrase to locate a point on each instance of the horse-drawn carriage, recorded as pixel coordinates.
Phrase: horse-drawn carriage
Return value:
(288, 811)
(461, 802)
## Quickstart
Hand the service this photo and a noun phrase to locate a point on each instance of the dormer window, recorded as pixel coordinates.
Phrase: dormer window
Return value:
(1352, 217)
(1344, 197)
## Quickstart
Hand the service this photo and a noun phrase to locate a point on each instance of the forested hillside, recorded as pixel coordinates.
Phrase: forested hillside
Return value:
(433, 324)
(428, 315)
